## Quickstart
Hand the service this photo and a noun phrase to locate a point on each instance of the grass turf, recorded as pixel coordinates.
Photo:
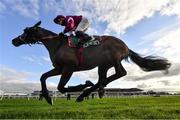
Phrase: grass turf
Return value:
(165, 107)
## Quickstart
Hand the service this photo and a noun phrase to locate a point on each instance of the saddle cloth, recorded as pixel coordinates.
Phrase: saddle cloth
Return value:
(73, 42)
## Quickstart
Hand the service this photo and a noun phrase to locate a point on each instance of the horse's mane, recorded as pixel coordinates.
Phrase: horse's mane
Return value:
(48, 31)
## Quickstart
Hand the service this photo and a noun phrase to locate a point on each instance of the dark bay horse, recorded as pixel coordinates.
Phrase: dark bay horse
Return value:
(108, 54)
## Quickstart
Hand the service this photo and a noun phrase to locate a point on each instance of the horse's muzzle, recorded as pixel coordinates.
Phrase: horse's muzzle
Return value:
(16, 42)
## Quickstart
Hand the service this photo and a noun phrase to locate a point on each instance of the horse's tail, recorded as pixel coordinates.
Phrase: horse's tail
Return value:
(149, 63)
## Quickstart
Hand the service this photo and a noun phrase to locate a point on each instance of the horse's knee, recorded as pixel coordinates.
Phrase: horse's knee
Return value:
(120, 74)
(61, 89)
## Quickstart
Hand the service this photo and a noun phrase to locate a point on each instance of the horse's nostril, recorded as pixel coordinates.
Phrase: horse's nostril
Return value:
(15, 43)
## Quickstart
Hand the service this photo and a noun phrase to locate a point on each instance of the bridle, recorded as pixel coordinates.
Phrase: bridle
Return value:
(23, 37)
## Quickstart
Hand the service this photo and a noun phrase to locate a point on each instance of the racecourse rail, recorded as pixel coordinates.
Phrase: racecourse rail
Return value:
(69, 95)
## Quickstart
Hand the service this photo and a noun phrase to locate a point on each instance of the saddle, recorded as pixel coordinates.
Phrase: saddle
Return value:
(73, 42)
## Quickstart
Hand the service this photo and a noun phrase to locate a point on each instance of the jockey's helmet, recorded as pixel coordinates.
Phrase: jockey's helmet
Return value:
(59, 19)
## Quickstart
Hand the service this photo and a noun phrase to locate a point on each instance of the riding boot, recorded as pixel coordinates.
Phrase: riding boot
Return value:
(83, 37)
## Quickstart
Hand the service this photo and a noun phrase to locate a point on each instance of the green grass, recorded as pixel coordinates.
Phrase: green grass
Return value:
(107, 108)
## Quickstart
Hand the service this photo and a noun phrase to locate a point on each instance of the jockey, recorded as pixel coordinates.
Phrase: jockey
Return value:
(75, 25)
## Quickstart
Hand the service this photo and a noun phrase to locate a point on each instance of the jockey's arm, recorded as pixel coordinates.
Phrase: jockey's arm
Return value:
(69, 25)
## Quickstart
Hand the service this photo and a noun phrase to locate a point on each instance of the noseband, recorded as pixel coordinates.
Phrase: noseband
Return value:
(22, 39)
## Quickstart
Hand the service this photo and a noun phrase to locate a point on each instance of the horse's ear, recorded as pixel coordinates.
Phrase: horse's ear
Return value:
(37, 24)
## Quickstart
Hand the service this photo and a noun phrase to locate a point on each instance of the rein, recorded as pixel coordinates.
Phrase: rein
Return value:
(49, 37)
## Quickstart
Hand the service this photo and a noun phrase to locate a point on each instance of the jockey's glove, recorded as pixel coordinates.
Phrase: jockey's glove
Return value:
(73, 33)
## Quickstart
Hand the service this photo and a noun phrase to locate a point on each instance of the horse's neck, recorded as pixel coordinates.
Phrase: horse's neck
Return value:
(51, 44)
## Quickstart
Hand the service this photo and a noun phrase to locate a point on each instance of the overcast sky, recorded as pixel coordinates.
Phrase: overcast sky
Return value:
(149, 27)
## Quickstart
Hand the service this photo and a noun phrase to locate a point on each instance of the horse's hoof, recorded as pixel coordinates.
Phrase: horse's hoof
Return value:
(49, 100)
(89, 83)
(79, 99)
(101, 92)
(40, 97)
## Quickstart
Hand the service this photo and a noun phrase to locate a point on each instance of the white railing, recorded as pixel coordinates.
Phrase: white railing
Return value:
(108, 94)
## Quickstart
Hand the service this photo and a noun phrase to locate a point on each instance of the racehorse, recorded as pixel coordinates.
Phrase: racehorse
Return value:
(65, 60)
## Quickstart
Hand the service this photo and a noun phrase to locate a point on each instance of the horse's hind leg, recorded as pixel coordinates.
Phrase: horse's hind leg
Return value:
(87, 92)
(103, 81)
(120, 72)
(102, 72)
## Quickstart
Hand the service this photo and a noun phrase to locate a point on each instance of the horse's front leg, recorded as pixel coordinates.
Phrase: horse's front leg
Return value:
(65, 77)
(43, 78)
